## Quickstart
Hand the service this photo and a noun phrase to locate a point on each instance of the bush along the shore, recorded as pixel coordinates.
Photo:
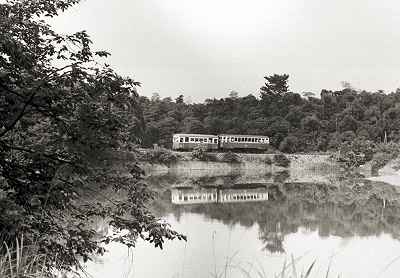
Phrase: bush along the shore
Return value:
(281, 160)
(356, 153)
(200, 153)
(160, 155)
(383, 154)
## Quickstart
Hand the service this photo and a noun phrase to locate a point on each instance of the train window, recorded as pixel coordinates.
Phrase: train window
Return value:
(196, 139)
(236, 139)
(201, 140)
(191, 139)
(181, 140)
(186, 139)
(215, 140)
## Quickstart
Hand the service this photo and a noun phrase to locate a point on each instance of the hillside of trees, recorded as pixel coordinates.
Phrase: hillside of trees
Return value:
(295, 122)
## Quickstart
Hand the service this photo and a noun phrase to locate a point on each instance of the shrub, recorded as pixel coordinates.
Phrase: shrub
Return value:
(200, 153)
(383, 154)
(379, 160)
(281, 160)
(160, 155)
(356, 153)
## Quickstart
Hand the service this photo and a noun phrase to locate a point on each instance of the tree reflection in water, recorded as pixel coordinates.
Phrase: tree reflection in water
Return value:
(343, 208)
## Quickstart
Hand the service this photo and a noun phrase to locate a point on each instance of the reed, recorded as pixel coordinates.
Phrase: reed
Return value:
(20, 261)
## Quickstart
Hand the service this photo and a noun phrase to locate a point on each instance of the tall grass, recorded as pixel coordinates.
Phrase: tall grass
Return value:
(250, 270)
(20, 261)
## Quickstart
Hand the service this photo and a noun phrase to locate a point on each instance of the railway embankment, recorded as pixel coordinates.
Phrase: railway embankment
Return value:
(156, 162)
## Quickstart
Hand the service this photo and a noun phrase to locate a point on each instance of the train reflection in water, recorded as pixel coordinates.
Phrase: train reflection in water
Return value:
(181, 196)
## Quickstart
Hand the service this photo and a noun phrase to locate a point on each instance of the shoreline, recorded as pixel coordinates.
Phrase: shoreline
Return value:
(388, 174)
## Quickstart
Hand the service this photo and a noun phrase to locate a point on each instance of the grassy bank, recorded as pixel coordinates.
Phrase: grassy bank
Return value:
(158, 159)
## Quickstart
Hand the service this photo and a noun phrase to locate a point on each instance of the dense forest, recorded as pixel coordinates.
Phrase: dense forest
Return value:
(295, 122)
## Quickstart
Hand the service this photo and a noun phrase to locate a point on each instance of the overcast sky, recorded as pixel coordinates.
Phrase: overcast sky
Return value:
(206, 48)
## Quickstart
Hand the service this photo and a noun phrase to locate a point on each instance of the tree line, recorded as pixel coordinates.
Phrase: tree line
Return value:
(294, 122)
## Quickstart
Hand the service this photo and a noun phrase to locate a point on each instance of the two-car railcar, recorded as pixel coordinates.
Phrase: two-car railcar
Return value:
(219, 142)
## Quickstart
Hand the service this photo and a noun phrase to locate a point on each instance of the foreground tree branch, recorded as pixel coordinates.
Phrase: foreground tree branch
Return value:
(62, 129)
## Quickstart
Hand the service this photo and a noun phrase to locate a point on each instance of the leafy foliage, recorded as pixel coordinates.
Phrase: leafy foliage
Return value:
(63, 118)
(355, 153)
(160, 155)
(383, 153)
(200, 153)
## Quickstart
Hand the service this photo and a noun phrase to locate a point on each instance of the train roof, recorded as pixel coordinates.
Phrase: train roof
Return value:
(194, 135)
(213, 135)
(243, 135)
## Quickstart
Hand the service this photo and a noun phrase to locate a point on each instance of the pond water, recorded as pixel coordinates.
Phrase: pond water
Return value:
(245, 226)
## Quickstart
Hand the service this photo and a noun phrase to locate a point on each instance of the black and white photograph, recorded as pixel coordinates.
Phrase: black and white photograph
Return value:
(199, 139)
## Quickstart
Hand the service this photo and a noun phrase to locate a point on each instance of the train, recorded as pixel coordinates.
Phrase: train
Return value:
(220, 142)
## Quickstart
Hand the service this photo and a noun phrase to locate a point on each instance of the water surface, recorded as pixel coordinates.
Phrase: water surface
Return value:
(249, 226)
